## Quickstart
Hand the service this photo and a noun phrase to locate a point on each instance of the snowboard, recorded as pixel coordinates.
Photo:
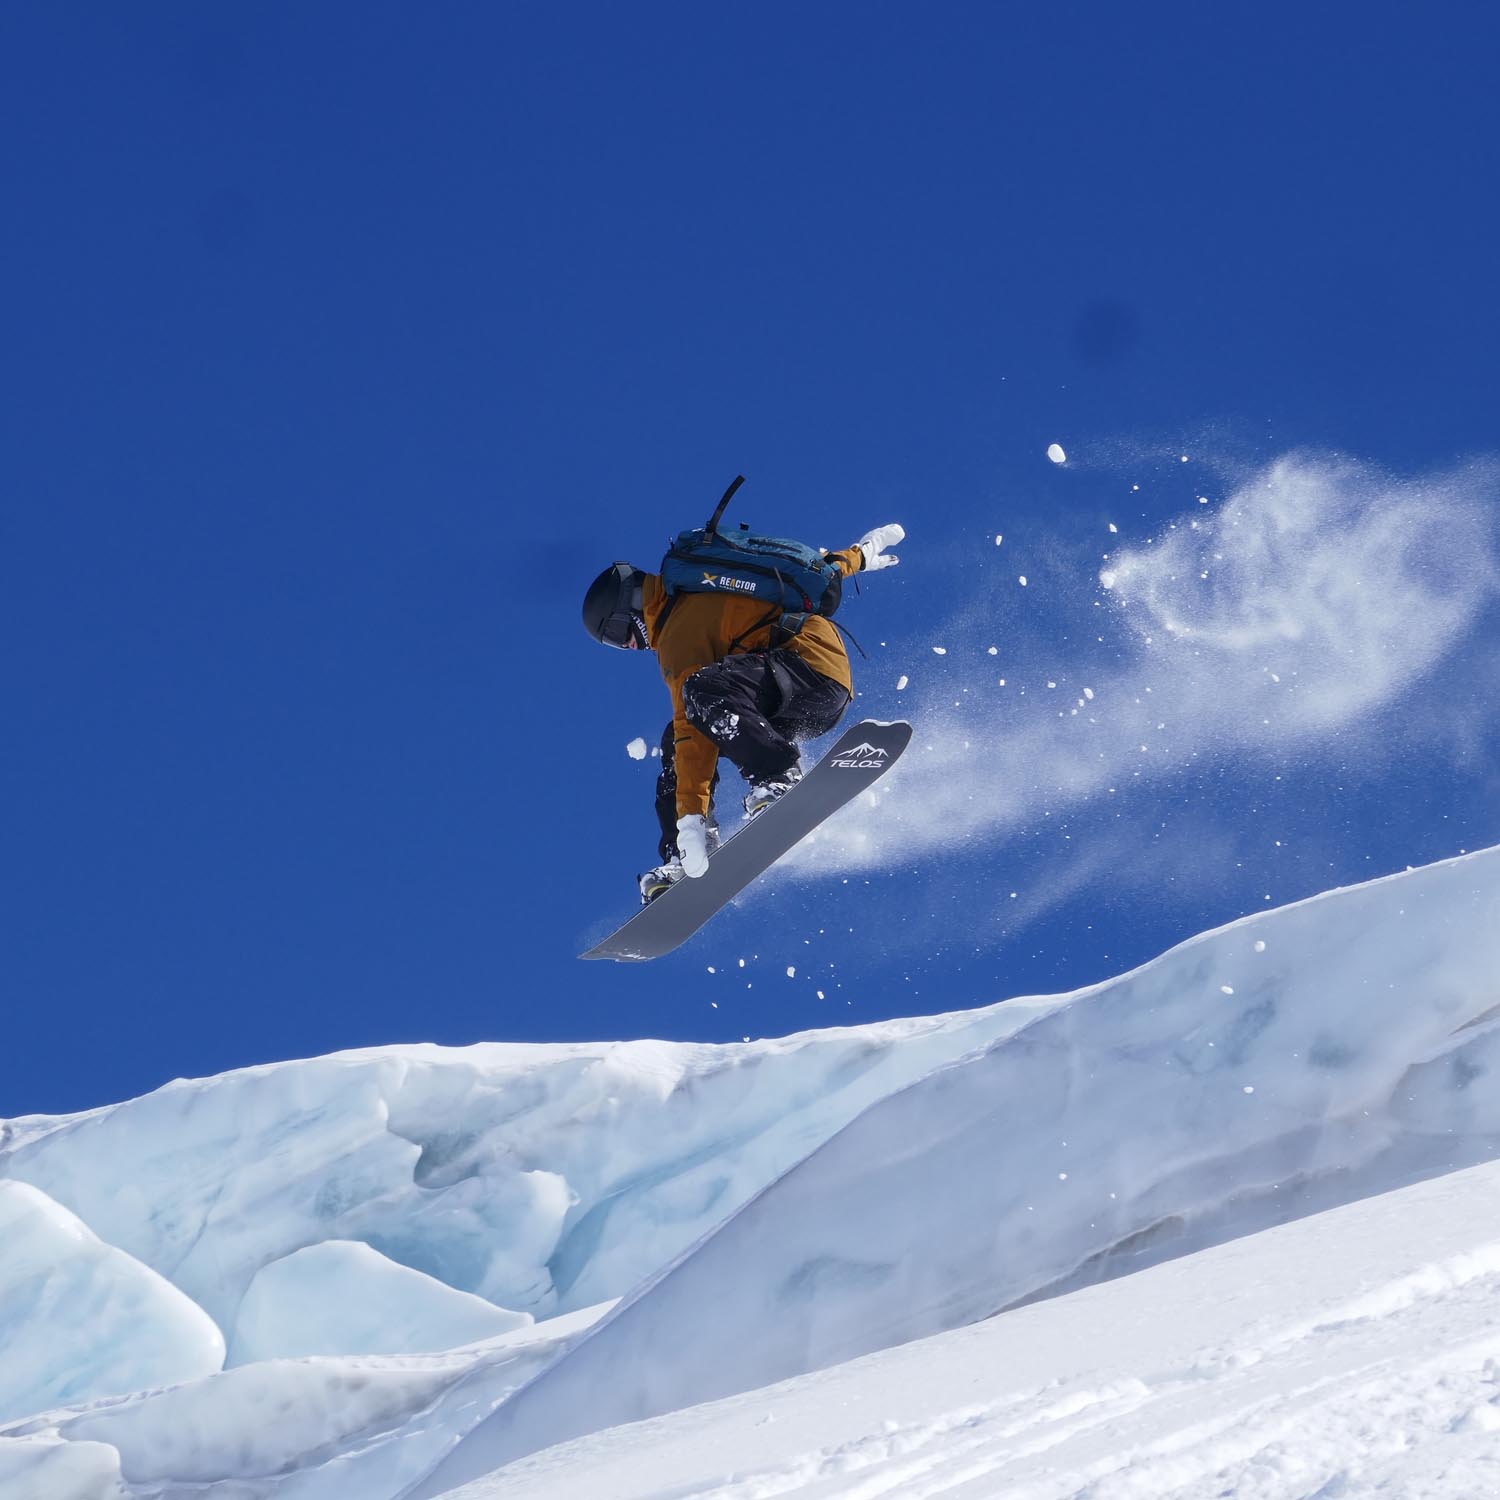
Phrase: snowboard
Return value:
(862, 756)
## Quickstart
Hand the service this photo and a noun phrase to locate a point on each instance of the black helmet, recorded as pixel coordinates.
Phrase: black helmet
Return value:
(612, 608)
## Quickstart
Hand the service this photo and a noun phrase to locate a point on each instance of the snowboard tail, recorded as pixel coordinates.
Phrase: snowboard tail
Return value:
(862, 755)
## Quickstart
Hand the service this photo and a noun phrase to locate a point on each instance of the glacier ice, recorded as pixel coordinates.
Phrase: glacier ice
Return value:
(1123, 1116)
(342, 1297)
(303, 1429)
(547, 1178)
(81, 1319)
(541, 1178)
(47, 1467)
(1350, 1353)
(762, 1209)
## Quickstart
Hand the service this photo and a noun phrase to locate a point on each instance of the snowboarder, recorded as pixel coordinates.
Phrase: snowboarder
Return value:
(741, 688)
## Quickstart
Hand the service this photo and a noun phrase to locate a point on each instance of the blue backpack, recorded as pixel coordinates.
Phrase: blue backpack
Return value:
(791, 578)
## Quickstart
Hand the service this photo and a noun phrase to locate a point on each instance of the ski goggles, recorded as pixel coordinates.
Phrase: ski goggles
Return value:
(624, 629)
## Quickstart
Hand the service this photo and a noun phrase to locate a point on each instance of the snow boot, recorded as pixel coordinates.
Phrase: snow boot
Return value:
(654, 882)
(763, 793)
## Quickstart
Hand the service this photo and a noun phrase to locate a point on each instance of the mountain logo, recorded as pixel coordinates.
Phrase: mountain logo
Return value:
(863, 757)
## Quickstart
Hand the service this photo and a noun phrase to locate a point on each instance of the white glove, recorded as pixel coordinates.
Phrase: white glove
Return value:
(692, 844)
(874, 543)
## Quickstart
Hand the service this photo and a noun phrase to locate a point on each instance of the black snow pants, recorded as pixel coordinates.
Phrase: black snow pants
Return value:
(754, 706)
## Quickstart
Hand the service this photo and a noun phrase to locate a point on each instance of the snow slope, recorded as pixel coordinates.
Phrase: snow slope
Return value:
(1316, 1054)
(1352, 1353)
(762, 1210)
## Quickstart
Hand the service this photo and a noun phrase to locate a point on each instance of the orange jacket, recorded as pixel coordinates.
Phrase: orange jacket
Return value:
(702, 629)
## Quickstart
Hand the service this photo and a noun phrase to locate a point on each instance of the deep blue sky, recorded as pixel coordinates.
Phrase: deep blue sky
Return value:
(343, 344)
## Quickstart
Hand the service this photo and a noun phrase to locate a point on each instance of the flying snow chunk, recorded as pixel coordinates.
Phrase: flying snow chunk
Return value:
(1056, 454)
(636, 749)
(901, 682)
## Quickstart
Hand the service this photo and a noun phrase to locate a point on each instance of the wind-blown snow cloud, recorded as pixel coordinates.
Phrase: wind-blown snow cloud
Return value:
(1286, 619)
(1319, 576)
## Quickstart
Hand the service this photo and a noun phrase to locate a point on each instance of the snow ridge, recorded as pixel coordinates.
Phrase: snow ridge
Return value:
(1288, 1061)
(1327, 1357)
(763, 1212)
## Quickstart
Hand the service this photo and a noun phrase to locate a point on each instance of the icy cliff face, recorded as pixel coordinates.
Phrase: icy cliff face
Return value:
(1311, 1055)
(1349, 1353)
(763, 1210)
(317, 1429)
(542, 1179)
(371, 1207)
(81, 1319)
(342, 1297)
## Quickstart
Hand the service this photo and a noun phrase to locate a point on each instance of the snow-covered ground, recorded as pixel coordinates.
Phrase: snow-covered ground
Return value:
(251, 1286)
(1353, 1353)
